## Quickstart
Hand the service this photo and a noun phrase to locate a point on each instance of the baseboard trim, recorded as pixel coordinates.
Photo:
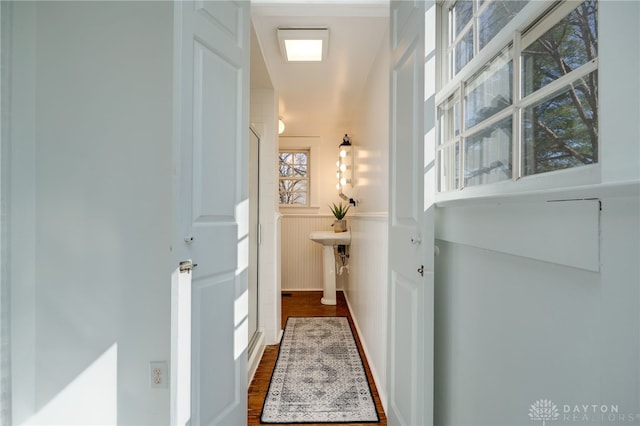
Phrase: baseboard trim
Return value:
(254, 358)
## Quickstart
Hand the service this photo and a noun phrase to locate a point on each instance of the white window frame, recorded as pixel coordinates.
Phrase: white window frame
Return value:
(306, 178)
(533, 20)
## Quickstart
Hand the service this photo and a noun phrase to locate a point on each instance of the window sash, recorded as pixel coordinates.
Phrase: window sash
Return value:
(293, 181)
(451, 147)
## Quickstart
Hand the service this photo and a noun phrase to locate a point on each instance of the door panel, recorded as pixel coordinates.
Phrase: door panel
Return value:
(411, 244)
(215, 79)
(211, 98)
(405, 363)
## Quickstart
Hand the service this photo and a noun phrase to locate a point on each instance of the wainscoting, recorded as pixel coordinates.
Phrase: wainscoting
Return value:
(366, 290)
(302, 258)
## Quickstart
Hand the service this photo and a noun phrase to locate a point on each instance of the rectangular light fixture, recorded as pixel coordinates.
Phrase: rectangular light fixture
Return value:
(303, 44)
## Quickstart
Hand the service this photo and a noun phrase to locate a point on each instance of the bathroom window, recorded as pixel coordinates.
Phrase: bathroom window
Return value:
(531, 107)
(293, 166)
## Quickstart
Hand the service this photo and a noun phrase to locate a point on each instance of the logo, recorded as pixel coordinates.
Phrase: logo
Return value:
(545, 410)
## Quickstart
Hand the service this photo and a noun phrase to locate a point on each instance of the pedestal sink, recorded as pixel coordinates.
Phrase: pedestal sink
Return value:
(329, 239)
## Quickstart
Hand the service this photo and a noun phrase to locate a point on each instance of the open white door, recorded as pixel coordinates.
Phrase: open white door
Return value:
(411, 236)
(211, 98)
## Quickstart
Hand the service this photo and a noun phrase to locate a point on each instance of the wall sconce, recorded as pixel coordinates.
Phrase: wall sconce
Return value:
(280, 126)
(344, 174)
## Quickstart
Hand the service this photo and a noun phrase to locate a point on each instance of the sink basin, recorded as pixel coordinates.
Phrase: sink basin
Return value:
(330, 238)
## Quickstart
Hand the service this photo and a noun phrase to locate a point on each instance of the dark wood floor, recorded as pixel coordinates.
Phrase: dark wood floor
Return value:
(298, 304)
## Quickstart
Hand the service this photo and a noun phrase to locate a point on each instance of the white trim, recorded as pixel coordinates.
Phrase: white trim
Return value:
(254, 359)
(301, 215)
(548, 21)
(559, 84)
(521, 21)
(372, 216)
(579, 192)
(568, 181)
(516, 136)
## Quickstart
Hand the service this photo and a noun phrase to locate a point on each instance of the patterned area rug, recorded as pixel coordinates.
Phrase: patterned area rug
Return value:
(319, 376)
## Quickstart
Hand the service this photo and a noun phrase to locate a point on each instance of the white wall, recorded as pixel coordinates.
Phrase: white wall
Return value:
(366, 290)
(516, 319)
(264, 118)
(97, 119)
(22, 206)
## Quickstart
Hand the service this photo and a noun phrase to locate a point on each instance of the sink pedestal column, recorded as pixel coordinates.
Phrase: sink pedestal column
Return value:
(329, 275)
(329, 240)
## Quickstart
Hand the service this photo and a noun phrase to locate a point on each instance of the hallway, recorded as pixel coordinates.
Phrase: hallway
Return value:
(305, 303)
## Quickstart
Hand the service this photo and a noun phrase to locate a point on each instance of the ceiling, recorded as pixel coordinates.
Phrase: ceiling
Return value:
(314, 98)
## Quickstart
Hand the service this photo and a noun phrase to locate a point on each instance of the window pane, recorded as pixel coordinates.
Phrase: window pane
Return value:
(449, 120)
(449, 171)
(495, 17)
(562, 132)
(299, 185)
(299, 170)
(461, 14)
(300, 198)
(285, 192)
(489, 91)
(300, 158)
(294, 173)
(463, 51)
(286, 170)
(488, 154)
(293, 191)
(568, 45)
(285, 157)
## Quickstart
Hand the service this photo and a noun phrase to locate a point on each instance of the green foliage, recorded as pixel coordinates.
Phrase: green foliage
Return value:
(339, 211)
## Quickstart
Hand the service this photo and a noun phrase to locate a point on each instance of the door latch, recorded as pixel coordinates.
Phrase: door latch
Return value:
(421, 270)
(187, 266)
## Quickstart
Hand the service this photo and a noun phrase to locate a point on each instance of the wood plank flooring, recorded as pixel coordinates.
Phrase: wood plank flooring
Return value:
(298, 304)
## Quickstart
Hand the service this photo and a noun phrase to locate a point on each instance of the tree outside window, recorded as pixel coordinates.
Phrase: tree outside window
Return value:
(561, 131)
(293, 166)
(553, 108)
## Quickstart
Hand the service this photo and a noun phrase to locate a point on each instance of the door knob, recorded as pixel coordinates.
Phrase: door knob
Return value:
(416, 240)
(421, 270)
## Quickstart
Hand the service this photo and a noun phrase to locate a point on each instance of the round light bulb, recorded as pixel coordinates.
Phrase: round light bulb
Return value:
(337, 186)
(343, 153)
(343, 181)
(338, 163)
(343, 167)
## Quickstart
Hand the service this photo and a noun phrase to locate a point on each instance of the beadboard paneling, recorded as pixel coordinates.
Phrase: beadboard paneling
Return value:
(301, 257)
(366, 290)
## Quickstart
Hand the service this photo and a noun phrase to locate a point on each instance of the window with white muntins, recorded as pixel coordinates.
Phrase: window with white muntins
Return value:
(293, 166)
(530, 107)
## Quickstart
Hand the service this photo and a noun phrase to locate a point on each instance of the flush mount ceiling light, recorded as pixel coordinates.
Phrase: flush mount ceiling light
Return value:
(299, 44)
